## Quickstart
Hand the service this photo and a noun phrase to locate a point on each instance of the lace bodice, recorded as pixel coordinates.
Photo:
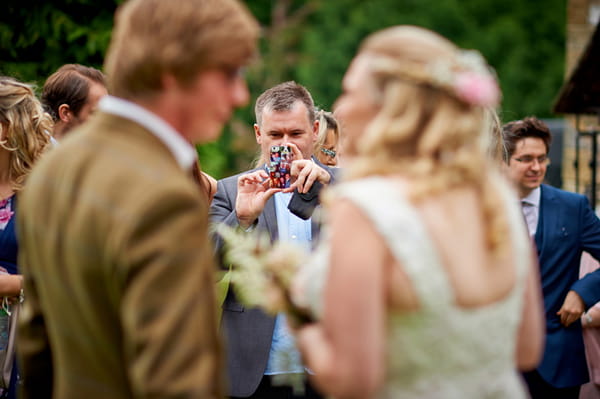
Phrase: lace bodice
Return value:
(441, 350)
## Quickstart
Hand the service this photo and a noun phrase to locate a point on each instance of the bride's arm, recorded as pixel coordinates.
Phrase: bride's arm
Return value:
(530, 340)
(346, 350)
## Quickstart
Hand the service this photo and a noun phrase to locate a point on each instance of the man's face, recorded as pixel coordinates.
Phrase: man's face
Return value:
(70, 120)
(208, 102)
(291, 126)
(96, 92)
(527, 166)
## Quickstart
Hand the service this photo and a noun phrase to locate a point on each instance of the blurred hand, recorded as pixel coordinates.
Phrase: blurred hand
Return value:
(571, 309)
(253, 193)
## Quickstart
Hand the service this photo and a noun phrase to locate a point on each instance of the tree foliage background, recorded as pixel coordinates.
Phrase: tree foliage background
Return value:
(312, 42)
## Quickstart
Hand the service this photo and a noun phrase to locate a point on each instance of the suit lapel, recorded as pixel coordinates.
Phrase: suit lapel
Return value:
(270, 217)
(548, 218)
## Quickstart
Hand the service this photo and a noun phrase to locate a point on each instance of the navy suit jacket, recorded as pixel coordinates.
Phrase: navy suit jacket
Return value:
(566, 227)
(248, 332)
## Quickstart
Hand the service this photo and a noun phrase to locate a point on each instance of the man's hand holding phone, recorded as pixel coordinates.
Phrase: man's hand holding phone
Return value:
(253, 193)
(305, 172)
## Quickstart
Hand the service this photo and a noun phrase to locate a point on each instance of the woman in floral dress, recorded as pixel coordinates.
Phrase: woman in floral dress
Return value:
(24, 128)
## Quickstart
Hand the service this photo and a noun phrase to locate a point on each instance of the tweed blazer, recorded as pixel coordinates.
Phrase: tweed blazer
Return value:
(118, 272)
(248, 332)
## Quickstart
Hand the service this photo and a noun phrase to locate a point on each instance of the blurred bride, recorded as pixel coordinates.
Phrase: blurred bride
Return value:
(431, 290)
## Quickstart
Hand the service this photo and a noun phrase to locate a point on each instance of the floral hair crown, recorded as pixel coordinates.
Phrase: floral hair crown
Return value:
(468, 77)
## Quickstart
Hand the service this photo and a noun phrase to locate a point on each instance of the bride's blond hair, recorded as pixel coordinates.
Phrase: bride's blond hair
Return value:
(426, 128)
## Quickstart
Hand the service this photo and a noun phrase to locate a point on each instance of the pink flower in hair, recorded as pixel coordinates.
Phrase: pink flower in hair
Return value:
(477, 89)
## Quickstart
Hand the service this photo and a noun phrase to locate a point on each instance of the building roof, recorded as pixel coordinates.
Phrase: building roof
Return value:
(581, 93)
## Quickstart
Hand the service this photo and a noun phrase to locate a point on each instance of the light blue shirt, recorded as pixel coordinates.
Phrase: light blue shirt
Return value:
(284, 357)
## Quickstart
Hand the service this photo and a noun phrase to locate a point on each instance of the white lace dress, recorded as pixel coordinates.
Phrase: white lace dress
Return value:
(442, 350)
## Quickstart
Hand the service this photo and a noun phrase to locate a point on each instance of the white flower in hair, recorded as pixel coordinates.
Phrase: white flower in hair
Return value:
(467, 77)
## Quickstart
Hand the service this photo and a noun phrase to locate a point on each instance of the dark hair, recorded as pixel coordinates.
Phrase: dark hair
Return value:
(514, 131)
(282, 98)
(70, 85)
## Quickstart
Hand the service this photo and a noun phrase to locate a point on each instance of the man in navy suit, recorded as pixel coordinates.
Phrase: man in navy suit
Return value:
(254, 340)
(563, 225)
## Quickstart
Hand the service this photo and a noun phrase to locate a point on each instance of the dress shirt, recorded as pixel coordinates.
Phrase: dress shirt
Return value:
(284, 357)
(182, 150)
(531, 210)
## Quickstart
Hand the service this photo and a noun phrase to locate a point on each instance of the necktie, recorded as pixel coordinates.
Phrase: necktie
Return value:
(528, 213)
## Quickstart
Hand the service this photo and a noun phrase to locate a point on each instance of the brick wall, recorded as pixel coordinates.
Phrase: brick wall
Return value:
(579, 31)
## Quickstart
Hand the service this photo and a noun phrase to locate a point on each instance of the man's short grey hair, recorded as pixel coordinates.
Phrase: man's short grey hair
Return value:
(282, 98)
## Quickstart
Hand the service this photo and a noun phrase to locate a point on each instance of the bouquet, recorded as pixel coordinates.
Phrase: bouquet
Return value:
(262, 272)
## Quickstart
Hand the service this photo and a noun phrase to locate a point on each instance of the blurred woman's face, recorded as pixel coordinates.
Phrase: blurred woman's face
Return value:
(355, 108)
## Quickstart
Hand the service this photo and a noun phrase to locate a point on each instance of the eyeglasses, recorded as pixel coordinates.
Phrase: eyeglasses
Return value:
(528, 159)
(330, 153)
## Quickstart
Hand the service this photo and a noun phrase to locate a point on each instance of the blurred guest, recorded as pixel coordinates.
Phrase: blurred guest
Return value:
(23, 139)
(206, 183)
(590, 322)
(411, 308)
(71, 95)
(328, 139)
(563, 225)
(118, 267)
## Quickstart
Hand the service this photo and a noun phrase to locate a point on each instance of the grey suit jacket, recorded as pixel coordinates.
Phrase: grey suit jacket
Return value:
(247, 332)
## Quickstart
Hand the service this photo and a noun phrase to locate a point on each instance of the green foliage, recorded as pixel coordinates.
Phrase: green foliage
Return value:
(312, 42)
(37, 37)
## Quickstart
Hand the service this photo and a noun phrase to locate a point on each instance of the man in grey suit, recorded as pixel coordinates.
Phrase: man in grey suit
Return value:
(255, 340)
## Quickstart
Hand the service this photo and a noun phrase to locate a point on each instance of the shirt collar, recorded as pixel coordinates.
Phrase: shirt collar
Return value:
(184, 152)
(533, 198)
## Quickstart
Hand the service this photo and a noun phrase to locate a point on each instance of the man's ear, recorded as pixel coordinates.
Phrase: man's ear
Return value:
(315, 131)
(64, 113)
(257, 133)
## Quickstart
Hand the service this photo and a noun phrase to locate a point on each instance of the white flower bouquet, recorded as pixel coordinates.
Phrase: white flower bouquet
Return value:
(262, 272)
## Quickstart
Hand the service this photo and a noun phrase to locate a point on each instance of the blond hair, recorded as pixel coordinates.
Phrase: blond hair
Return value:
(326, 122)
(180, 37)
(24, 128)
(423, 128)
(496, 146)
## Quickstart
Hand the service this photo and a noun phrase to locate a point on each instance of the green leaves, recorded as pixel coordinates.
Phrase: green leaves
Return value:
(312, 42)
(37, 38)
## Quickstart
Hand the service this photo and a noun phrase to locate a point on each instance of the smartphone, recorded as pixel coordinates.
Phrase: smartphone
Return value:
(280, 164)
